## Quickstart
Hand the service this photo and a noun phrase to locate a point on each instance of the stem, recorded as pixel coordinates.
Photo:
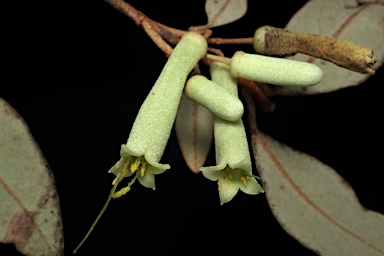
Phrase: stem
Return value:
(98, 217)
(219, 40)
(249, 101)
(157, 39)
(261, 99)
(169, 33)
(127, 9)
(218, 52)
(116, 182)
(156, 30)
(210, 23)
(221, 59)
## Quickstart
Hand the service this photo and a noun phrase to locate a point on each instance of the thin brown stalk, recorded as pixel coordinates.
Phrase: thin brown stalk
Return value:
(172, 35)
(250, 103)
(219, 41)
(218, 52)
(127, 9)
(155, 30)
(262, 100)
(157, 39)
(203, 28)
(221, 59)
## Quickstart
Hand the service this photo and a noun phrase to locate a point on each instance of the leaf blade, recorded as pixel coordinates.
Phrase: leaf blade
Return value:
(221, 12)
(314, 204)
(30, 212)
(194, 131)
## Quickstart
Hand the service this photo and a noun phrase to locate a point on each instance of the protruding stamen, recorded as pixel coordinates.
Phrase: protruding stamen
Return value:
(142, 168)
(126, 189)
(121, 192)
(121, 175)
(115, 180)
(135, 165)
(244, 179)
(126, 162)
(228, 171)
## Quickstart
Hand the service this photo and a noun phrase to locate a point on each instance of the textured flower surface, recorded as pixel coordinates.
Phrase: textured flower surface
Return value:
(150, 132)
(143, 168)
(233, 169)
(230, 180)
(153, 124)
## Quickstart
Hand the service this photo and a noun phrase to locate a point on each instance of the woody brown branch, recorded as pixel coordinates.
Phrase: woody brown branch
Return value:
(171, 35)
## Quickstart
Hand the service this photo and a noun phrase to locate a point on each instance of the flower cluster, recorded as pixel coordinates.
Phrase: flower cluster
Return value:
(150, 132)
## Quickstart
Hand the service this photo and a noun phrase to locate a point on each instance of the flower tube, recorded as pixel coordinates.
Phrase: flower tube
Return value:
(233, 169)
(276, 71)
(152, 127)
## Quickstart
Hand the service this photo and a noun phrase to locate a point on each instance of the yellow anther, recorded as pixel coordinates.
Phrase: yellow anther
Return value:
(120, 176)
(123, 173)
(142, 168)
(244, 179)
(125, 163)
(121, 192)
(115, 180)
(228, 171)
(135, 165)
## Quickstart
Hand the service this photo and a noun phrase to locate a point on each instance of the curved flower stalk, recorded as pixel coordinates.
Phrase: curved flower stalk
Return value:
(233, 169)
(150, 132)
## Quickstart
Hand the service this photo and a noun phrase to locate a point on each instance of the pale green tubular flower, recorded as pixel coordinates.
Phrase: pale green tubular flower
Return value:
(233, 169)
(277, 71)
(153, 124)
(152, 127)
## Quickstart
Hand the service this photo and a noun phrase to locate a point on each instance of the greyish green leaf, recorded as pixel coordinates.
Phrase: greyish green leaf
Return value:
(314, 204)
(221, 12)
(29, 208)
(194, 131)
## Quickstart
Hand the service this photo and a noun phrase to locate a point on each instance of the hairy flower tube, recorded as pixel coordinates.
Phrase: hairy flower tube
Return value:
(150, 132)
(152, 127)
(233, 169)
(277, 71)
(214, 97)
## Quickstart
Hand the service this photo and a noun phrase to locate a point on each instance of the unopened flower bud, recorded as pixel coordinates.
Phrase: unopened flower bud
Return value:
(277, 71)
(280, 42)
(214, 97)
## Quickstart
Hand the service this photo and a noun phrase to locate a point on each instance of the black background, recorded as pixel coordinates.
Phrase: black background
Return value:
(77, 73)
